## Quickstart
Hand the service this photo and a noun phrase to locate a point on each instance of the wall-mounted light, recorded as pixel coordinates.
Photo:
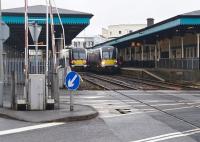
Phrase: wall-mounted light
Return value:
(133, 44)
(189, 28)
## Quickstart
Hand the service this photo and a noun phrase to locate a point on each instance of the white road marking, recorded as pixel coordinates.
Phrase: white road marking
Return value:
(29, 128)
(169, 136)
(142, 111)
(178, 108)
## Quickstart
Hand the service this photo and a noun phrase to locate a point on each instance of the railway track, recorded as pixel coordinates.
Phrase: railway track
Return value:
(104, 82)
(154, 108)
(161, 84)
(125, 82)
(109, 88)
(136, 84)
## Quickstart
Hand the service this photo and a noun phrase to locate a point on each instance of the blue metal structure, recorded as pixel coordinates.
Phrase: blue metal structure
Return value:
(156, 29)
(65, 20)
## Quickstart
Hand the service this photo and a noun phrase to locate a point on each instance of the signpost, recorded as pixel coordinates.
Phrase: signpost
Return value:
(35, 31)
(72, 82)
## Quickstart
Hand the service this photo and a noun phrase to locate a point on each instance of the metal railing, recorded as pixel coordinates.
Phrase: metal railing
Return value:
(186, 64)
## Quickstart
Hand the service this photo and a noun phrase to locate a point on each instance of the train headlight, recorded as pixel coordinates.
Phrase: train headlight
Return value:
(84, 62)
(103, 63)
(72, 62)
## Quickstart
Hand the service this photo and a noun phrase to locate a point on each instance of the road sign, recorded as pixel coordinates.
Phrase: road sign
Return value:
(4, 31)
(35, 31)
(72, 80)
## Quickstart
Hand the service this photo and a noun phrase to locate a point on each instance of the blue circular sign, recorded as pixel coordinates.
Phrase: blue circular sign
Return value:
(72, 80)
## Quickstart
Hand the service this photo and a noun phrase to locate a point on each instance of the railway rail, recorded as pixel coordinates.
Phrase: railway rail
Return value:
(109, 88)
(104, 83)
(137, 83)
(167, 85)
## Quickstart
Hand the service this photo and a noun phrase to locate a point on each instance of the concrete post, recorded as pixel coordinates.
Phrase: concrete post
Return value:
(169, 49)
(182, 47)
(198, 42)
(1, 64)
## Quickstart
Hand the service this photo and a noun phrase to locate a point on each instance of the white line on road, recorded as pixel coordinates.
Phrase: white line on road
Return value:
(29, 128)
(142, 111)
(169, 136)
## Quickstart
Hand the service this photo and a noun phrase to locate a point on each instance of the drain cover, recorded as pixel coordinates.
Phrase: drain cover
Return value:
(123, 111)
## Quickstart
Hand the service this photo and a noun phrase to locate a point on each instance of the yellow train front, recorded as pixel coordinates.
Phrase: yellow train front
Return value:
(78, 59)
(103, 59)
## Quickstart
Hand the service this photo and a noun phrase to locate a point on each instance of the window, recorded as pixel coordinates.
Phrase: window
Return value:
(120, 32)
(130, 31)
(75, 44)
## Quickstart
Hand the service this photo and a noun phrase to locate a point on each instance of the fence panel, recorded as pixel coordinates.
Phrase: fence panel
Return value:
(186, 64)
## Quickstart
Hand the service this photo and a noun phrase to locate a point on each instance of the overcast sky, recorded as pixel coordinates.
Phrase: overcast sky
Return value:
(109, 12)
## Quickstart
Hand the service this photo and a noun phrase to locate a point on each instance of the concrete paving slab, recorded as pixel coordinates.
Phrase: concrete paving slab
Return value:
(81, 112)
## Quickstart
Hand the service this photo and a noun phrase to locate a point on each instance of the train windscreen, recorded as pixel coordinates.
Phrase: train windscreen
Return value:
(79, 55)
(111, 54)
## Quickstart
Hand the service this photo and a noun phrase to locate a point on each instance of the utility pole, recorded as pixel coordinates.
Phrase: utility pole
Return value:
(1, 61)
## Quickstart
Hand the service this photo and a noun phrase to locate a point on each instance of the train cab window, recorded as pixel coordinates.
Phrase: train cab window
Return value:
(75, 55)
(106, 55)
(79, 55)
(109, 54)
(82, 55)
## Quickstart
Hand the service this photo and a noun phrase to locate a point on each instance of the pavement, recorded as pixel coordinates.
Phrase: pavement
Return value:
(81, 112)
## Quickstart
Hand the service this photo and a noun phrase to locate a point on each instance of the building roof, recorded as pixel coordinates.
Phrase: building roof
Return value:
(16, 15)
(193, 13)
(187, 19)
(41, 9)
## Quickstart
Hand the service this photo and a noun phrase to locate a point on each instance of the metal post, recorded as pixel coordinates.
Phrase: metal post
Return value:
(1, 63)
(159, 50)
(47, 47)
(135, 53)
(26, 50)
(198, 41)
(13, 89)
(142, 58)
(36, 48)
(150, 52)
(53, 37)
(124, 54)
(182, 48)
(155, 56)
(71, 101)
(130, 54)
(169, 49)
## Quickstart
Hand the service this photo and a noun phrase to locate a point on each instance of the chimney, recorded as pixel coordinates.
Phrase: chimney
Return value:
(150, 22)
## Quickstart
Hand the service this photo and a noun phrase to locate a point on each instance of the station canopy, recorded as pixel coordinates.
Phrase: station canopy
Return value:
(73, 21)
(175, 26)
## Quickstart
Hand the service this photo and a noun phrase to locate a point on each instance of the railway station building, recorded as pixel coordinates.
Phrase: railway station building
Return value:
(173, 44)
